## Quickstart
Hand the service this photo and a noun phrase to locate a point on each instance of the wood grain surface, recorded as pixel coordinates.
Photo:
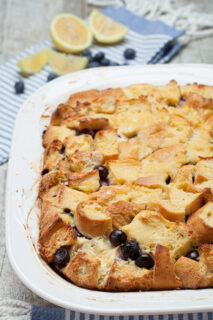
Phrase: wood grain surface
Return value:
(24, 23)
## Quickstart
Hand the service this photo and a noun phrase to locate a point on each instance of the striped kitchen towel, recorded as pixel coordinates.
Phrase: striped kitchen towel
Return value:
(154, 42)
(14, 310)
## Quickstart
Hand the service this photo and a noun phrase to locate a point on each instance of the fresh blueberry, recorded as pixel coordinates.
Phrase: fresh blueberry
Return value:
(168, 180)
(43, 172)
(61, 257)
(194, 254)
(125, 64)
(131, 250)
(113, 63)
(51, 76)
(43, 133)
(129, 53)
(85, 131)
(19, 87)
(87, 53)
(103, 172)
(105, 62)
(93, 64)
(145, 260)
(117, 237)
(99, 56)
(67, 211)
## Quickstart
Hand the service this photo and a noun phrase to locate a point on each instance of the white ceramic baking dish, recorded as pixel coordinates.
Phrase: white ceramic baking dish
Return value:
(22, 182)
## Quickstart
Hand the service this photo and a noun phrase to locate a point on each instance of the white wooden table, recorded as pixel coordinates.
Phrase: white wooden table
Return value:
(22, 24)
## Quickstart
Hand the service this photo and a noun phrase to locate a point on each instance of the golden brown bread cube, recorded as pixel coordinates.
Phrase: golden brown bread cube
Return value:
(48, 181)
(85, 160)
(106, 142)
(164, 276)
(81, 143)
(201, 223)
(123, 171)
(54, 232)
(91, 220)
(84, 181)
(150, 228)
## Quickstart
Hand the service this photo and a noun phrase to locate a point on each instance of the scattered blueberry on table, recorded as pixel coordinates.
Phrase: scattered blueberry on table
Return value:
(99, 56)
(105, 62)
(19, 87)
(51, 76)
(93, 64)
(129, 53)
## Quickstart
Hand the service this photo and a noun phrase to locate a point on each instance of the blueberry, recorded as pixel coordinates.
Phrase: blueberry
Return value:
(113, 63)
(194, 254)
(131, 250)
(145, 260)
(61, 257)
(99, 56)
(80, 235)
(43, 133)
(85, 131)
(168, 180)
(105, 62)
(87, 53)
(51, 76)
(117, 237)
(93, 64)
(125, 64)
(129, 53)
(67, 211)
(19, 87)
(62, 151)
(103, 172)
(43, 172)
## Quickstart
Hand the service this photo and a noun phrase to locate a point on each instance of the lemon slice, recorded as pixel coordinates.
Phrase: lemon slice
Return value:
(61, 63)
(106, 30)
(34, 62)
(69, 33)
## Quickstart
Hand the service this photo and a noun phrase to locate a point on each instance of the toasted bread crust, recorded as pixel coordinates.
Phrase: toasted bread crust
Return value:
(139, 160)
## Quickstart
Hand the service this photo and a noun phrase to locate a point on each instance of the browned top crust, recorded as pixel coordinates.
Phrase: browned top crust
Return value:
(137, 159)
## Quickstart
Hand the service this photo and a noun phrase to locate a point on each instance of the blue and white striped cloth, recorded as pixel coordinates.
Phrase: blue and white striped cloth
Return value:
(51, 313)
(154, 42)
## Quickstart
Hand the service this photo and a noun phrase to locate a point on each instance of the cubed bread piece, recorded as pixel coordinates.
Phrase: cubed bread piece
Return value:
(154, 135)
(84, 181)
(56, 133)
(130, 149)
(83, 270)
(91, 221)
(122, 212)
(82, 143)
(157, 181)
(203, 105)
(203, 90)
(206, 261)
(169, 93)
(69, 198)
(204, 171)
(55, 232)
(110, 194)
(201, 223)
(106, 142)
(48, 181)
(59, 114)
(190, 273)
(184, 178)
(85, 160)
(150, 228)
(87, 96)
(107, 99)
(93, 123)
(123, 171)
(53, 155)
(128, 277)
(164, 271)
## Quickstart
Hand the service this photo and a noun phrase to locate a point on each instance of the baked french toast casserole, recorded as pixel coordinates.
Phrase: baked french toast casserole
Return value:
(126, 189)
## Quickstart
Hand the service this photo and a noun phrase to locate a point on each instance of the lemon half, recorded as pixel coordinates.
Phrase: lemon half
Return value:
(69, 33)
(34, 62)
(105, 29)
(62, 63)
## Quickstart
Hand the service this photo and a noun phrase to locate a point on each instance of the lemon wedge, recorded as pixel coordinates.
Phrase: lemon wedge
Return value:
(61, 63)
(104, 29)
(69, 33)
(34, 62)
